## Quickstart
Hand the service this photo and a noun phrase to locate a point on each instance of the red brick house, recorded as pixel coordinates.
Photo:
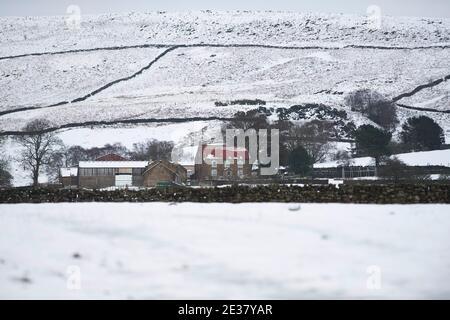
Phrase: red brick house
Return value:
(219, 162)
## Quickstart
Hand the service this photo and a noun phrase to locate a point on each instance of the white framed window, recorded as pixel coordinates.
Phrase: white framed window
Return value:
(214, 163)
(213, 172)
(240, 172)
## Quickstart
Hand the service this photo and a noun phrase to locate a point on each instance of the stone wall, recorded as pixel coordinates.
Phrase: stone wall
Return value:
(382, 194)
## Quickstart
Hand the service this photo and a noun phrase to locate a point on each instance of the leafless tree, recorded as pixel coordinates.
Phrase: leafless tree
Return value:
(38, 145)
(394, 169)
(5, 176)
(314, 137)
(376, 107)
(152, 150)
(343, 158)
(384, 114)
(360, 100)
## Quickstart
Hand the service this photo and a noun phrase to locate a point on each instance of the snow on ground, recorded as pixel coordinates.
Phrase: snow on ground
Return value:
(36, 34)
(426, 158)
(212, 251)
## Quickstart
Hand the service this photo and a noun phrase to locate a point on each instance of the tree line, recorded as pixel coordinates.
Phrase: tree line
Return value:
(304, 143)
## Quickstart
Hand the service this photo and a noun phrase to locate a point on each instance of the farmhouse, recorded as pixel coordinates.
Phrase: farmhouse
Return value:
(219, 162)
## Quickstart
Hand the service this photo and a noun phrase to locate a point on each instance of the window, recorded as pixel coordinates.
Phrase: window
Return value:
(213, 172)
(240, 172)
(214, 163)
(86, 172)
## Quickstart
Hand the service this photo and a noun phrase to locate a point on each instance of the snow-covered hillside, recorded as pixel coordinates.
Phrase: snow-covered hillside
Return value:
(21, 35)
(317, 58)
(214, 251)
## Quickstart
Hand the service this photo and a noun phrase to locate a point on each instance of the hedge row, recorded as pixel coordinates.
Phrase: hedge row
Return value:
(386, 194)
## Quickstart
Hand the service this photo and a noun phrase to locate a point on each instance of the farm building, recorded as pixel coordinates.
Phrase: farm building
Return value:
(103, 174)
(219, 162)
(68, 177)
(115, 171)
(163, 171)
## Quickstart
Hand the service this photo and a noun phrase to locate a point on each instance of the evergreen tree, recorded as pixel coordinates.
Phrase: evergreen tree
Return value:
(372, 142)
(300, 161)
(422, 134)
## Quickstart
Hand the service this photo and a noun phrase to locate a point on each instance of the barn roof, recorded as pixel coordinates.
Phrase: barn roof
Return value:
(113, 164)
(68, 172)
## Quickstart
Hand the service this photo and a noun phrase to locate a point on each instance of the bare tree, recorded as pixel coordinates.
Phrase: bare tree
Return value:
(343, 158)
(360, 100)
(384, 114)
(152, 150)
(314, 137)
(38, 145)
(394, 169)
(5, 176)
(376, 107)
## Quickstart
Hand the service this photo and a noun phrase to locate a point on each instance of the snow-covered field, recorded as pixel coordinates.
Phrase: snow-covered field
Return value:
(425, 158)
(160, 250)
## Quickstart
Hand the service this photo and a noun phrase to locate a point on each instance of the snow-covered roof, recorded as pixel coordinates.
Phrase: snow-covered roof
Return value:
(113, 164)
(68, 172)
(426, 158)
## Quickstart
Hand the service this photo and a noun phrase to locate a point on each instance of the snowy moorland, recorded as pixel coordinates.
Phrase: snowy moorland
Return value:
(213, 251)
(180, 64)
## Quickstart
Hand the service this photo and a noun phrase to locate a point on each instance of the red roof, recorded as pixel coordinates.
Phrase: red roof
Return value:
(111, 157)
(227, 152)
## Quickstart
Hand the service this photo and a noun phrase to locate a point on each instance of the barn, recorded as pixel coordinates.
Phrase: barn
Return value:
(104, 174)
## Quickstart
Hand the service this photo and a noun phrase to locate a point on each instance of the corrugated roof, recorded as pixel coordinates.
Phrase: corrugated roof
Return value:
(69, 172)
(113, 164)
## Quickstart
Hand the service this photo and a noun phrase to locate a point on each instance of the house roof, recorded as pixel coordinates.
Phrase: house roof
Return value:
(111, 157)
(68, 172)
(113, 164)
(213, 151)
(166, 164)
